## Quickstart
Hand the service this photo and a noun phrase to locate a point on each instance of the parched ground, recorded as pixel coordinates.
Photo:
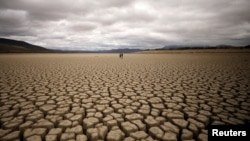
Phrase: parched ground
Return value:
(141, 97)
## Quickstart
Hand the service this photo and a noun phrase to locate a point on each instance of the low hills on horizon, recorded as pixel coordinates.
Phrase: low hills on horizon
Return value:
(15, 46)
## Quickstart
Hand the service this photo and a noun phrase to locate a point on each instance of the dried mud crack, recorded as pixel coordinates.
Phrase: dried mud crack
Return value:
(167, 97)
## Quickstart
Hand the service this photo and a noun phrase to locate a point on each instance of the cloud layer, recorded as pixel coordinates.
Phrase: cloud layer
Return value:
(91, 25)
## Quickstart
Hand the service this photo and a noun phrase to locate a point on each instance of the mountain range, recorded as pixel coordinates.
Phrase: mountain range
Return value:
(14, 46)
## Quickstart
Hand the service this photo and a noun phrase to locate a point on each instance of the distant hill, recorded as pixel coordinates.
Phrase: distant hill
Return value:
(14, 46)
(199, 49)
(182, 47)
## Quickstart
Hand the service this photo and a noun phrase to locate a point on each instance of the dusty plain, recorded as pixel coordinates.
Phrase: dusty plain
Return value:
(168, 97)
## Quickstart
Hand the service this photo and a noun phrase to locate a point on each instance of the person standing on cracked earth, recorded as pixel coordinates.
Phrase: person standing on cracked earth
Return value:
(121, 55)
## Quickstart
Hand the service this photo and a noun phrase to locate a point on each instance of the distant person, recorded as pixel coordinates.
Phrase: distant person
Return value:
(121, 55)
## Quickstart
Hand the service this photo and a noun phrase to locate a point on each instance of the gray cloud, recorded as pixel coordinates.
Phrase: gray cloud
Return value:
(89, 24)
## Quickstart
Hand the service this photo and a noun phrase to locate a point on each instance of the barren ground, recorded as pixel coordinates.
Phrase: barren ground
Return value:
(141, 97)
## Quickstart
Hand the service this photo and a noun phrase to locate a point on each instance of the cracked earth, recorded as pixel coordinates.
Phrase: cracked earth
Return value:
(168, 97)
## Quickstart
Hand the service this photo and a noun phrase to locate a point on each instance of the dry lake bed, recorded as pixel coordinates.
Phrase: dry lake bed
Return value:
(81, 97)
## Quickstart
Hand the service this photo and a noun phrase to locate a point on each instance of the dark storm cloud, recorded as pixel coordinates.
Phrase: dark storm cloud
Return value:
(89, 24)
(13, 22)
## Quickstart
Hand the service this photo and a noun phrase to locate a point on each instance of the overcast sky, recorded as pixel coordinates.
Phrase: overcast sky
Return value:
(106, 24)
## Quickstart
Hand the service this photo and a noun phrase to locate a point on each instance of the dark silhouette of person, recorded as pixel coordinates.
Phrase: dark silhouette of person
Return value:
(121, 55)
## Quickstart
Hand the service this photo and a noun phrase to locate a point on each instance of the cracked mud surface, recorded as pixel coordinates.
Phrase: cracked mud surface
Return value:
(141, 97)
